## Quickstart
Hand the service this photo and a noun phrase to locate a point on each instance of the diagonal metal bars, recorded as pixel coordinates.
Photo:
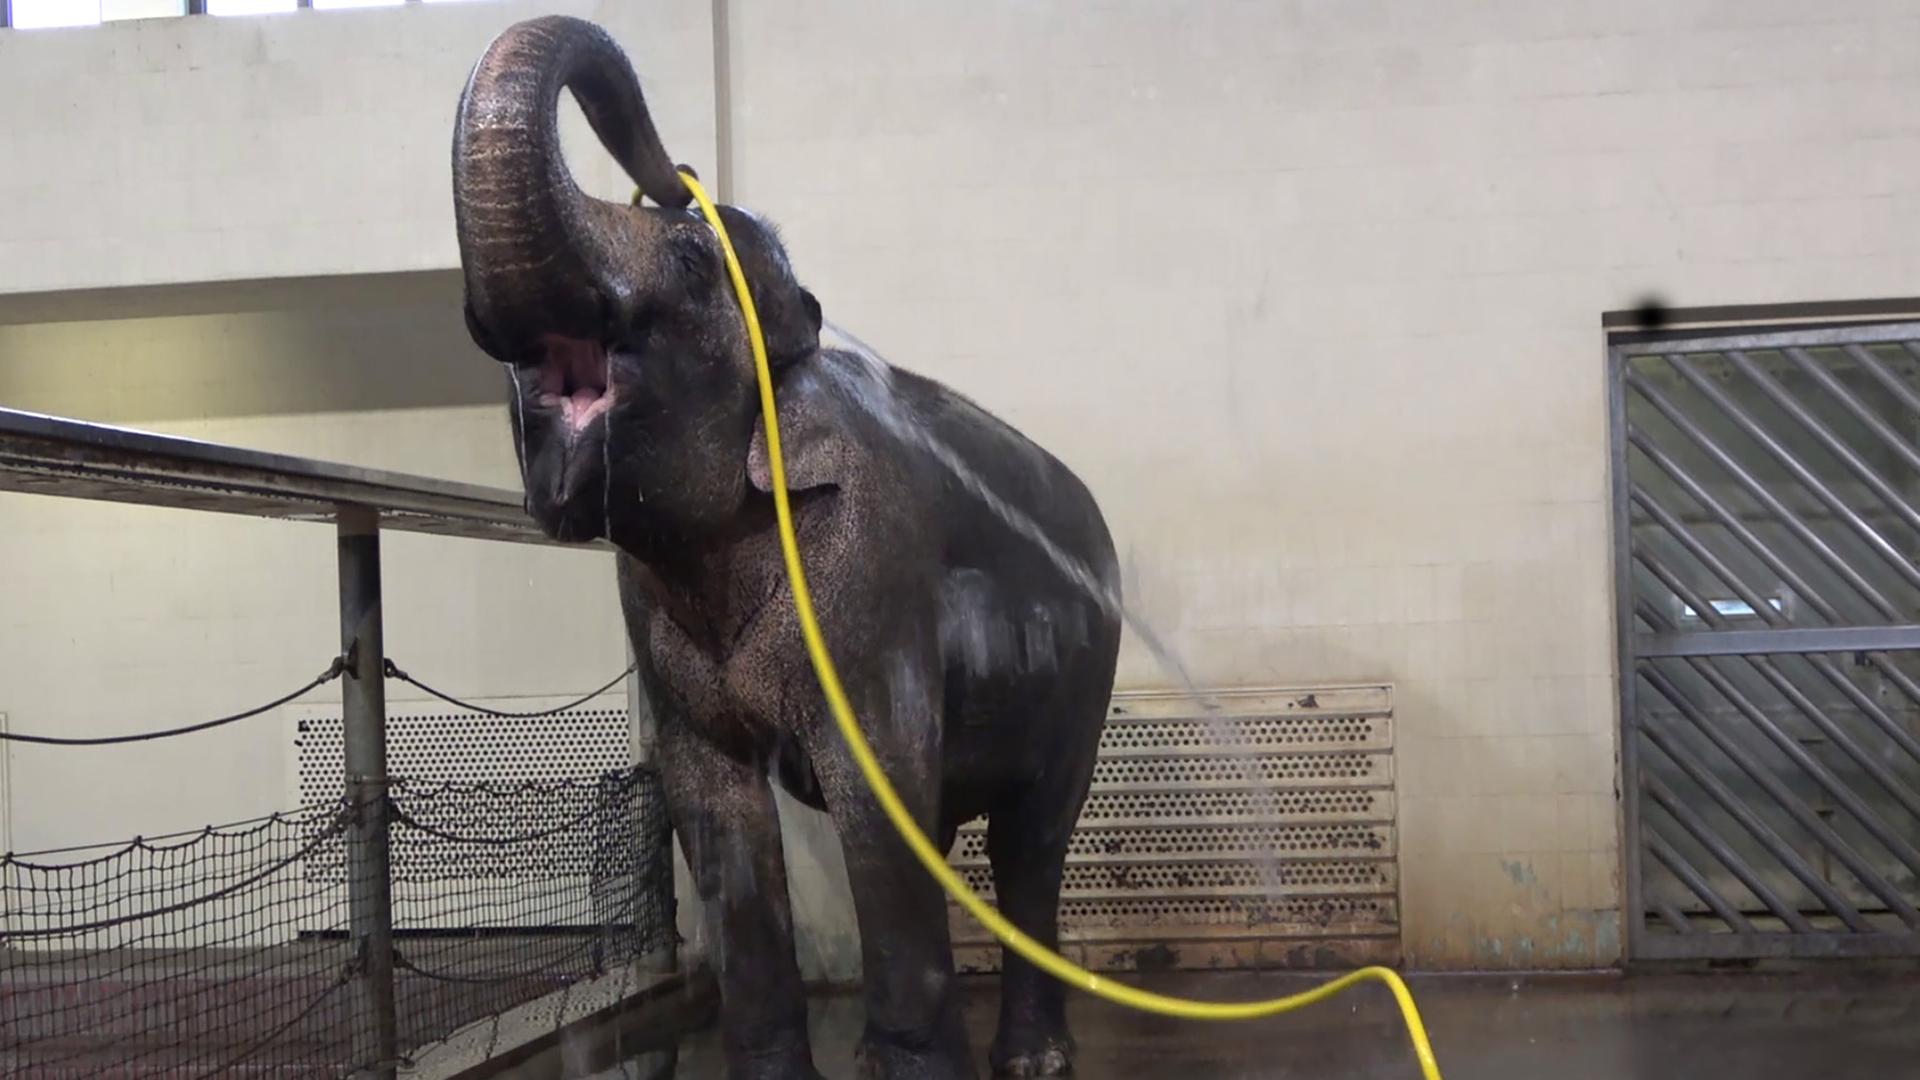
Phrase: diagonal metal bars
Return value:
(1768, 505)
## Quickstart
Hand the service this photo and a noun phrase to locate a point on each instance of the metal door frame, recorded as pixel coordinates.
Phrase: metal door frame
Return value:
(1642, 944)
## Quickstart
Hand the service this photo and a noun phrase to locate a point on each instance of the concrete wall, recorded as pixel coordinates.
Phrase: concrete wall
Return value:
(1309, 293)
(317, 142)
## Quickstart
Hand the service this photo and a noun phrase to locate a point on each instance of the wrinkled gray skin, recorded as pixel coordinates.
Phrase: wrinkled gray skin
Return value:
(978, 671)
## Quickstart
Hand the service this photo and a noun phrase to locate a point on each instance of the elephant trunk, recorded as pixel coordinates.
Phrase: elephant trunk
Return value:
(540, 257)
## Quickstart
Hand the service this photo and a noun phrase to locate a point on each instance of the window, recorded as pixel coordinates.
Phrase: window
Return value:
(116, 10)
(1731, 609)
(249, 7)
(37, 14)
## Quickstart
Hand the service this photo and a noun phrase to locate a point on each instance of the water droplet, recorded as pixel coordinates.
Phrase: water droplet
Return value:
(520, 436)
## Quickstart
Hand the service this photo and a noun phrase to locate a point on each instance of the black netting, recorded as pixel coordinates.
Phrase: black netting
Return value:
(229, 951)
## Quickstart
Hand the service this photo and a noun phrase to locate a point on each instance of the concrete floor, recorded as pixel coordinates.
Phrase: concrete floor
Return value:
(1598, 1027)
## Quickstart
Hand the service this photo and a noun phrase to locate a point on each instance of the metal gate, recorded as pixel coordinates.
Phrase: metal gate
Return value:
(1767, 527)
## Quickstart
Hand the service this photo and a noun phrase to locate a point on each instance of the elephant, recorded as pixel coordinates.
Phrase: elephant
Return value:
(979, 668)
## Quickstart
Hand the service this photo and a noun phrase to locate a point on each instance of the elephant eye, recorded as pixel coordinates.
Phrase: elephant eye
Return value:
(696, 254)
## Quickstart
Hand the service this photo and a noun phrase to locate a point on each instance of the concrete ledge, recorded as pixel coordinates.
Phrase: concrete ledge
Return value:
(632, 1008)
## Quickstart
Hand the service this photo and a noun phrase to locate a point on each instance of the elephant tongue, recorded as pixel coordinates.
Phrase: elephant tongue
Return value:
(574, 377)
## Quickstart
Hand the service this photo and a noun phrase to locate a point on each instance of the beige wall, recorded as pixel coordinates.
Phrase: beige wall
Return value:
(1309, 293)
(315, 142)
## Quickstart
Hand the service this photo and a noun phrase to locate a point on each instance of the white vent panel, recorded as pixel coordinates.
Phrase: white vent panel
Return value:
(1258, 834)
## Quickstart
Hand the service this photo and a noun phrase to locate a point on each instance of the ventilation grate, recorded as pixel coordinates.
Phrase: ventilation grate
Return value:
(1203, 807)
(1246, 879)
(1267, 819)
(1236, 771)
(430, 742)
(1250, 842)
(1203, 736)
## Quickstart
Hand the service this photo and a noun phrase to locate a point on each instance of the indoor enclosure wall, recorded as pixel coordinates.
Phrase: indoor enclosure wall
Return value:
(1309, 293)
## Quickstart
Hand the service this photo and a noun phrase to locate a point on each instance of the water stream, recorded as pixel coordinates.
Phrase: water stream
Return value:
(873, 392)
(520, 437)
(877, 398)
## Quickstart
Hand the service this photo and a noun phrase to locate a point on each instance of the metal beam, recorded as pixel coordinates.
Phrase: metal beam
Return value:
(1764, 495)
(1695, 883)
(1820, 489)
(1619, 478)
(51, 455)
(1814, 337)
(1824, 435)
(1901, 390)
(369, 875)
(1756, 826)
(1868, 418)
(1761, 605)
(1802, 589)
(1672, 917)
(1715, 845)
(1783, 796)
(723, 119)
(1778, 946)
(1849, 800)
(1778, 642)
(1735, 525)
(1766, 667)
(1837, 734)
(1666, 576)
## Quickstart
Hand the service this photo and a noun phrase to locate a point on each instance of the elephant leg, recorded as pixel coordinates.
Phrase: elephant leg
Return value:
(1028, 860)
(724, 812)
(914, 1029)
(1027, 847)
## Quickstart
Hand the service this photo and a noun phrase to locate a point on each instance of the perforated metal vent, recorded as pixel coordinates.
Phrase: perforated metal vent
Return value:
(1258, 834)
(435, 742)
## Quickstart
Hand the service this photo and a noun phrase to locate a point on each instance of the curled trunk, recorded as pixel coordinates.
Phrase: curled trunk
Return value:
(540, 256)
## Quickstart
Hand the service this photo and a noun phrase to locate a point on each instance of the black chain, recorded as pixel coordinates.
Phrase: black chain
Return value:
(334, 671)
(394, 672)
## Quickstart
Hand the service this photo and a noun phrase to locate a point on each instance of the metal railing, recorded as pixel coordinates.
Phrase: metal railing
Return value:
(66, 458)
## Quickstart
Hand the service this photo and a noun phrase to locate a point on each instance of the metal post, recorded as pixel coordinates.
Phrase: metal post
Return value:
(1633, 907)
(641, 736)
(370, 886)
(645, 735)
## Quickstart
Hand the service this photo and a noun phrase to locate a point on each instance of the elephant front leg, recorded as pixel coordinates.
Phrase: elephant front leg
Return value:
(725, 815)
(914, 1028)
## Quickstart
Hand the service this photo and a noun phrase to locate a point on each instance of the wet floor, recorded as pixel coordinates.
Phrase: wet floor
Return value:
(1587, 1027)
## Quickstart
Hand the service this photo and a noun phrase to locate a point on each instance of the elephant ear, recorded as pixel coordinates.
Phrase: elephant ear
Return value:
(819, 452)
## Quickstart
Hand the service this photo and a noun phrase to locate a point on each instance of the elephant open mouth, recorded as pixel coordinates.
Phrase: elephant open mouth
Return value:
(574, 381)
(633, 385)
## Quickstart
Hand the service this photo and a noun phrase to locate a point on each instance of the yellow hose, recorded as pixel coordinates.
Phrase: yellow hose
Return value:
(930, 857)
